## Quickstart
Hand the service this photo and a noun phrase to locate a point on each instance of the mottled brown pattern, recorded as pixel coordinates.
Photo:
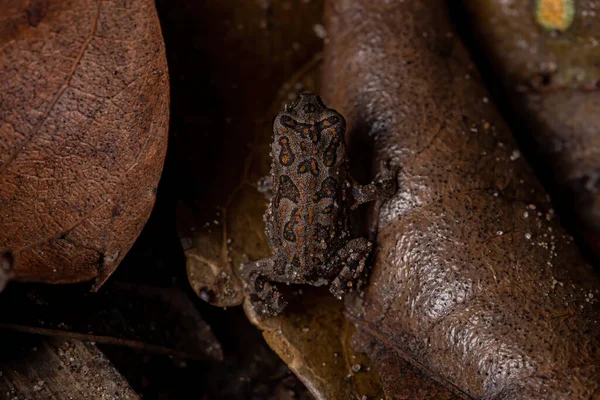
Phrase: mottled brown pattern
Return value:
(307, 222)
(286, 155)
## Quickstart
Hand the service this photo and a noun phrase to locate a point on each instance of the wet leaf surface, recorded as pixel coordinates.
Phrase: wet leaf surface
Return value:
(475, 280)
(84, 106)
(552, 79)
(400, 379)
(40, 369)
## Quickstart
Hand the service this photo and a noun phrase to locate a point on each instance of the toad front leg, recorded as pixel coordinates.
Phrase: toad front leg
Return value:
(381, 188)
(352, 257)
(384, 186)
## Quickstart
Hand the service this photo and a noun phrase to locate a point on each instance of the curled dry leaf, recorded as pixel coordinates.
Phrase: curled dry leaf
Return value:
(475, 280)
(547, 59)
(84, 106)
(36, 369)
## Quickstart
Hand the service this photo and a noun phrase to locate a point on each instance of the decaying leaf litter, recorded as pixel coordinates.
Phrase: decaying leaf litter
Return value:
(286, 58)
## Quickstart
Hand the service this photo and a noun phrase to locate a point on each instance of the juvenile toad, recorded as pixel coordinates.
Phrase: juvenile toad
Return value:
(307, 221)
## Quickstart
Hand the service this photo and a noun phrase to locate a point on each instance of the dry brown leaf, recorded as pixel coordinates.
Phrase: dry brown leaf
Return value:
(475, 281)
(313, 337)
(84, 106)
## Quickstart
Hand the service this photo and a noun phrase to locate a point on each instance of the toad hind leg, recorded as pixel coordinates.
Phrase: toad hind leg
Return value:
(353, 257)
(265, 298)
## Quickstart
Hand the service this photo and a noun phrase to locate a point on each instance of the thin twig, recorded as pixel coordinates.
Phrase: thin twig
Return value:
(110, 340)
